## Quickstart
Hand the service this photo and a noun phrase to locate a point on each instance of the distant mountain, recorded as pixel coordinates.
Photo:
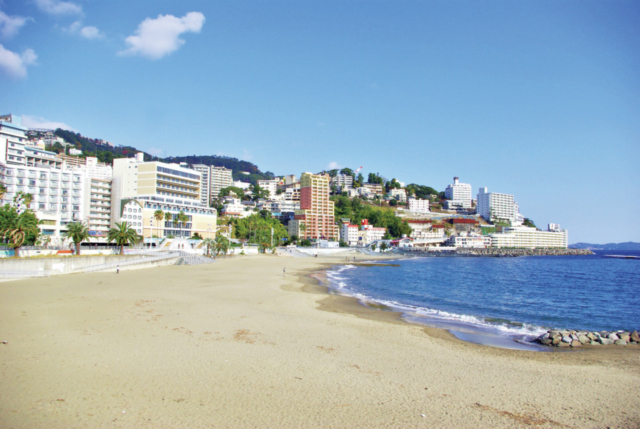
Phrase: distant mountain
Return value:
(629, 245)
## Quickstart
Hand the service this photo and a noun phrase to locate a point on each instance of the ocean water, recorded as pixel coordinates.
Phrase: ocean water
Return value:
(502, 301)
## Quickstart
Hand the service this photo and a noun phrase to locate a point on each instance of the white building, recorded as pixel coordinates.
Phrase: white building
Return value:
(494, 206)
(459, 194)
(343, 181)
(13, 137)
(205, 183)
(418, 205)
(233, 207)
(220, 178)
(60, 196)
(159, 186)
(349, 234)
(469, 241)
(398, 194)
(368, 233)
(269, 185)
(530, 238)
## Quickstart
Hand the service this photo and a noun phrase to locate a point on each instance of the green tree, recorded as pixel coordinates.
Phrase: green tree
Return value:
(19, 229)
(123, 234)
(229, 189)
(158, 215)
(347, 172)
(3, 190)
(222, 244)
(209, 242)
(77, 232)
(182, 219)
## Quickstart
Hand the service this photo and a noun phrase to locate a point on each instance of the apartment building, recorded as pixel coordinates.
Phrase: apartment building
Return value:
(398, 194)
(205, 183)
(493, 206)
(269, 185)
(220, 178)
(97, 201)
(155, 186)
(60, 196)
(349, 233)
(13, 138)
(315, 219)
(458, 194)
(374, 188)
(342, 181)
(369, 233)
(417, 205)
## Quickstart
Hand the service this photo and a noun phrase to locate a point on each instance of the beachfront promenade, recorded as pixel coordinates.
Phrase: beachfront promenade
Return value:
(239, 344)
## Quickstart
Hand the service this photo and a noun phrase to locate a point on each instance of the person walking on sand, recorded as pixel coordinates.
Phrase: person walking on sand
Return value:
(284, 270)
(117, 269)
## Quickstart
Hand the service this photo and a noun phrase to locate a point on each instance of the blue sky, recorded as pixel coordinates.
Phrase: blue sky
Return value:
(539, 99)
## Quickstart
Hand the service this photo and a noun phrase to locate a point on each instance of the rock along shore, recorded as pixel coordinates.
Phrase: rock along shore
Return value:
(567, 338)
(497, 252)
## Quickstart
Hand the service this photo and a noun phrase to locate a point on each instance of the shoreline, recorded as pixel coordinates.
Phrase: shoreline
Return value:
(450, 330)
(237, 344)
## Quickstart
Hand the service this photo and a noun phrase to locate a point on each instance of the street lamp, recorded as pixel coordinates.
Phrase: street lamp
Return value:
(151, 238)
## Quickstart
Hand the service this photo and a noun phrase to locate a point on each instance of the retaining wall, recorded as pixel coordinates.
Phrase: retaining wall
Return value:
(64, 264)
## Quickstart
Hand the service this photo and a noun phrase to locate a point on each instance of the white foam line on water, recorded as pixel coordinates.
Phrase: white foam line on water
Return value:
(435, 316)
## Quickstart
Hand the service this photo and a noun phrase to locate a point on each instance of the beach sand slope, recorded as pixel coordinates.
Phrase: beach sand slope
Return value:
(237, 344)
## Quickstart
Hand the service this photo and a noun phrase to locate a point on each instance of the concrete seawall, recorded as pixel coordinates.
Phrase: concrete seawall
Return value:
(69, 264)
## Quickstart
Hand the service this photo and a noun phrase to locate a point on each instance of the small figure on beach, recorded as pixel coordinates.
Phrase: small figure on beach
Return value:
(284, 270)
(117, 269)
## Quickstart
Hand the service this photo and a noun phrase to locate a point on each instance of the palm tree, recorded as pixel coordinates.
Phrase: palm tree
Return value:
(303, 229)
(222, 244)
(26, 223)
(123, 235)
(3, 190)
(209, 243)
(183, 219)
(77, 232)
(158, 215)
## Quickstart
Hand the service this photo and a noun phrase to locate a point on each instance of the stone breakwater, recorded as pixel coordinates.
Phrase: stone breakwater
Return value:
(522, 252)
(565, 338)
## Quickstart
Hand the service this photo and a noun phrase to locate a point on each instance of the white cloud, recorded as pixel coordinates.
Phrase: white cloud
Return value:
(15, 65)
(90, 32)
(40, 122)
(10, 25)
(158, 37)
(333, 166)
(57, 7)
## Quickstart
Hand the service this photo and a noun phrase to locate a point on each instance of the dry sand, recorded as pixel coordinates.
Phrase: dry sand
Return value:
(234, 344)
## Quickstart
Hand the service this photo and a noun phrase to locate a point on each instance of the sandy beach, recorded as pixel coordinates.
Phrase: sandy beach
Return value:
(236, 344)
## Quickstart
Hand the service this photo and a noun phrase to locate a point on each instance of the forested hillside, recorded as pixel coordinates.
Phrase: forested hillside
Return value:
(104, 153)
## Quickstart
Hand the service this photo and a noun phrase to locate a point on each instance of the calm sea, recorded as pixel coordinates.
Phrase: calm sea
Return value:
(499, 300)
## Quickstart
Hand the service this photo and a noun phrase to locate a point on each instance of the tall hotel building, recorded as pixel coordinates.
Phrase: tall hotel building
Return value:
(220, 178)
(316, 210)
(205, 183)
(492, 206)
(459, 194)
(61, 192)
(141, 188)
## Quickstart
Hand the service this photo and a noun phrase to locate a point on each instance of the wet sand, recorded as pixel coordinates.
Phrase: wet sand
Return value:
(236, 344)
